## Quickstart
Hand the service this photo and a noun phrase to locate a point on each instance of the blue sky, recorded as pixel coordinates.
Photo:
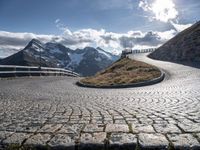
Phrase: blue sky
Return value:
(111, 24)
(38, 16)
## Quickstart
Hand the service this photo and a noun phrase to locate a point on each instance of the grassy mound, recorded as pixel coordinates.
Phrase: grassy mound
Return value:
(123, 71)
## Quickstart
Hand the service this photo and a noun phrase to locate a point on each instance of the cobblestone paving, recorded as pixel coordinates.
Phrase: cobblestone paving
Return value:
(52, 112)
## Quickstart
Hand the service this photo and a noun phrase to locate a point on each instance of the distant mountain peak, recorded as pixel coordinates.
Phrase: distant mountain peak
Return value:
(85, 61)
(36, 41)
(89, 48)
(99, 48)
(34, 45)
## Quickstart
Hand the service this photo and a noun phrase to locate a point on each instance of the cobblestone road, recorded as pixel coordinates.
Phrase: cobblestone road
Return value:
(52, 112)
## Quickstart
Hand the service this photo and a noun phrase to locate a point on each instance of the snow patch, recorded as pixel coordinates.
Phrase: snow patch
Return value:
(105, 54)
(98, 59)
(38, 49)
(55, 50)
(76, 58)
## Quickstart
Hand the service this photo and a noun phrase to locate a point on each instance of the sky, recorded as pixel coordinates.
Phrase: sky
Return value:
(110, 24)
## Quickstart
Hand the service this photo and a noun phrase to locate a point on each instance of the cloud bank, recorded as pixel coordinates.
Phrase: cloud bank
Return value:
(113, 42)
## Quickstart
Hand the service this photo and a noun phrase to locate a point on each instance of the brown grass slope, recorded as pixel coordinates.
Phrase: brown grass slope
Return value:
(124, 71)
(185, 46)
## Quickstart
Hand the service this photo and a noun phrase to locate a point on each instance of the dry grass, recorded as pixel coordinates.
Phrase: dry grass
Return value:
(124, 71)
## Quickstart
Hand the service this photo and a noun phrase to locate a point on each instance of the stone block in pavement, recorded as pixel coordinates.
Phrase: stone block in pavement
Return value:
(184, 141)
(5, 134)
(166, 128)
(198, 135)
(132, 120)
(50, 128)
(63, 141)
(117, 128)
(23, 127)
(192, 127)
(149, 141)
(140, 128)
(93, 128)
(125, 141)
(108, 121)
(38, 141)
(120, 121)
(91, 141)
(4, 125)
(16, 138)
(71, 129)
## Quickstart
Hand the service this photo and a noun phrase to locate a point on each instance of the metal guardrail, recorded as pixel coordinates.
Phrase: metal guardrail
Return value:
(130, 51)
(15, 71)
(143, 50)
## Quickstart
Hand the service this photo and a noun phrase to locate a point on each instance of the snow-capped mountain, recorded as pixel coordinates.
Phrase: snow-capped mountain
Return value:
(85, 61)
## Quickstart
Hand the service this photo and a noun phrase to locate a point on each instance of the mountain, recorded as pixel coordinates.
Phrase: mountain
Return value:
(183, 47)
(90, 60)
(85, 61)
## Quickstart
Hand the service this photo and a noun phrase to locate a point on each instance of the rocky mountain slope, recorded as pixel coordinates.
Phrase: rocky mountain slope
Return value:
(183, 47)
(85, 61)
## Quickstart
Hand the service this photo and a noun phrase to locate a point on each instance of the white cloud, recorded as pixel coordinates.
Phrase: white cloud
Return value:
(144, 5)
(147, 39)
(162, 10)
(180, 27)
(166, 35)
(113, 42)
(57, 20)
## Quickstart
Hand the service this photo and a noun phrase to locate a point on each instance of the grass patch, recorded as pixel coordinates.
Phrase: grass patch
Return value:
(123, 71)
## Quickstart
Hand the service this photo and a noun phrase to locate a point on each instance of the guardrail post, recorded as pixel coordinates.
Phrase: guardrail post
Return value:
(15, 74)
(40, 69)
(29, 71)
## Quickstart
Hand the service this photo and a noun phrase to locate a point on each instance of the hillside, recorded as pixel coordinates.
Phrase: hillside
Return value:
(123, 71)
(183, 47)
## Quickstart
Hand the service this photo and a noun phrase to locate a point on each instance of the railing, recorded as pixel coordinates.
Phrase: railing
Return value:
(143, 50)
(15, 71)
(126, 52)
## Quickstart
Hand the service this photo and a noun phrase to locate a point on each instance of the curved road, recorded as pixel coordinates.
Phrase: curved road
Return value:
(54, 112)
